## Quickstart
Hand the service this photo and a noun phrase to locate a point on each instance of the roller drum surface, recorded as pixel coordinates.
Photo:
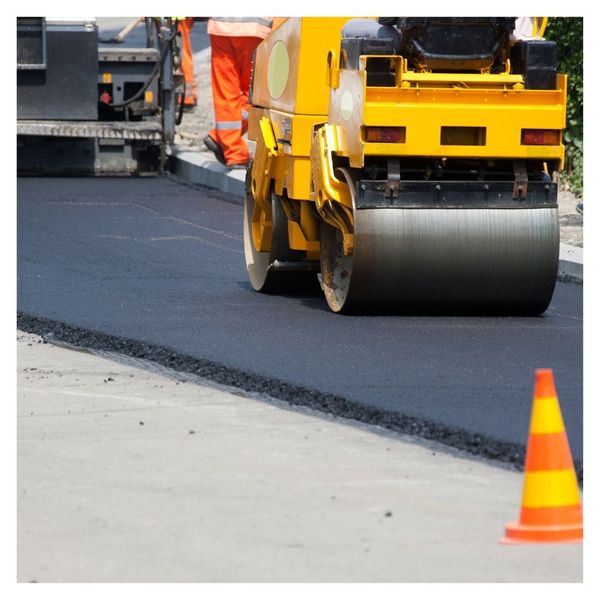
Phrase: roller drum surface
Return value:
(444, 260)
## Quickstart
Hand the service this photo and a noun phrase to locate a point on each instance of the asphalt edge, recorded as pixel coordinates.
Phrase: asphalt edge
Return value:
(472, 444)
(201, 168)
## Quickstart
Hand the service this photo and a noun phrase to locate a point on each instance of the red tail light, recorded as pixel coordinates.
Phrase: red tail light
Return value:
(540, 137)
(385, 135)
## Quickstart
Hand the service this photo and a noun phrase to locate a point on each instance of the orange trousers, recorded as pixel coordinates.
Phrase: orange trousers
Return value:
(187, 62)
(231, 66)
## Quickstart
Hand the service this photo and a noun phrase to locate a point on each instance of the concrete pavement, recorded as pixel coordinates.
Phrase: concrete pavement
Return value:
(130, 475)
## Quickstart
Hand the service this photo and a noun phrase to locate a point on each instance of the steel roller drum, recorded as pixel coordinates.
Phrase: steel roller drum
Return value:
(281, 270)
(493, 261)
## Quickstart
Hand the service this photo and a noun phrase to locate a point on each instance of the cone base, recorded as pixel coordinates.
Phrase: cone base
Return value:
(529, 534)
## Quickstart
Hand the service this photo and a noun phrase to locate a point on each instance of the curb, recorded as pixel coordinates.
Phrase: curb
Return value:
(201, 168)
(570, 262)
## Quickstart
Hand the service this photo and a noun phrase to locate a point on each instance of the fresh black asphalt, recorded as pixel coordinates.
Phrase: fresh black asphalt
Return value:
(156, 267)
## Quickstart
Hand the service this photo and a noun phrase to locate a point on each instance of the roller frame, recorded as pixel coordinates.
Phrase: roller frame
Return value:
(483, 245)
(493, 260)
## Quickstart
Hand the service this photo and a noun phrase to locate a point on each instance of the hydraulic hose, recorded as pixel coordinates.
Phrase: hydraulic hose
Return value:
(163, 50)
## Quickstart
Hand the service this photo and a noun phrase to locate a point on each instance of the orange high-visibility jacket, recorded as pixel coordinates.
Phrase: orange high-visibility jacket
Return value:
(240, 26)
(233, 41)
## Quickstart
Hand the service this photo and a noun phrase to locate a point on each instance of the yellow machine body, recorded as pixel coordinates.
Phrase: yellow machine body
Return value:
(426, 105)
(309, 111)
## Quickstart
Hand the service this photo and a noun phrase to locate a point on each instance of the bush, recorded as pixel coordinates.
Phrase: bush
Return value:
(567, 32)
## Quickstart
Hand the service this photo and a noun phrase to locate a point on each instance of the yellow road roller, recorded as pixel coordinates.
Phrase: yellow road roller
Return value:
(409, 163)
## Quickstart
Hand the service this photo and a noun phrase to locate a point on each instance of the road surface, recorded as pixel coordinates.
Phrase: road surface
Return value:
(161, 262)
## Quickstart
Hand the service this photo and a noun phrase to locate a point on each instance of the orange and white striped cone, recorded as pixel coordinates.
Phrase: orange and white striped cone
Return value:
(551, 507)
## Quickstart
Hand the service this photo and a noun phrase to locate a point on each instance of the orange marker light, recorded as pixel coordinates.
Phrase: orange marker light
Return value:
(540, 137)
(386, 135)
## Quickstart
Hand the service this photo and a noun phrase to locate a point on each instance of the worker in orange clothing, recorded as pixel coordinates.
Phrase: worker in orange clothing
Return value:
(185, 25)
(232, 41)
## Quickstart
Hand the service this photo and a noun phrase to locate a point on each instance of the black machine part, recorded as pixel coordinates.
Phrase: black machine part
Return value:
(455, 195)
(367, 36)
(62, 82)
(536, 60)
(166, 37)
(133, 71)
(57, 69)
(31, 43)
(453, 43)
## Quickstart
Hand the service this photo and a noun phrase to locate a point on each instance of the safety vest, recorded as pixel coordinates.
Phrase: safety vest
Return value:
(240, 26)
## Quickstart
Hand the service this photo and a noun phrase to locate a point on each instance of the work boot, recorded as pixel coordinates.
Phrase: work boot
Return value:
(215, 148)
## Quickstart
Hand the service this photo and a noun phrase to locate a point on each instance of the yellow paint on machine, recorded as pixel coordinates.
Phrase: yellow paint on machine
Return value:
(546, 416)
(303, 85)
(307, 42)
(544, 489)
(504, 113)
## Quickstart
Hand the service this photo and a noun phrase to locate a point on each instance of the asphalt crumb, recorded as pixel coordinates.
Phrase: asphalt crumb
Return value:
(566, 278)
(488, 448)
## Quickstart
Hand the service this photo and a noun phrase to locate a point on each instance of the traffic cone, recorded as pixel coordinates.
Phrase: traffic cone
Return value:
(551, 507)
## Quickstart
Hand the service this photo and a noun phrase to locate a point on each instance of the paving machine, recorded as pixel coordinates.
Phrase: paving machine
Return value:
(84, 107)
(411, 162)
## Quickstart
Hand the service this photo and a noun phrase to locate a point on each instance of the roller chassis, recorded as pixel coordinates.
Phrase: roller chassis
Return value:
(476, 230)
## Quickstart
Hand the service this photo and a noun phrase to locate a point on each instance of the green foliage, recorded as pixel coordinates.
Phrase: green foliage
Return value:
(567, 32)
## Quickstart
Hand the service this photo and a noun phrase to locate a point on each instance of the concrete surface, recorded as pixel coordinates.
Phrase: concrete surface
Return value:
(127, 475)
(202, 168)
(571, 261)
